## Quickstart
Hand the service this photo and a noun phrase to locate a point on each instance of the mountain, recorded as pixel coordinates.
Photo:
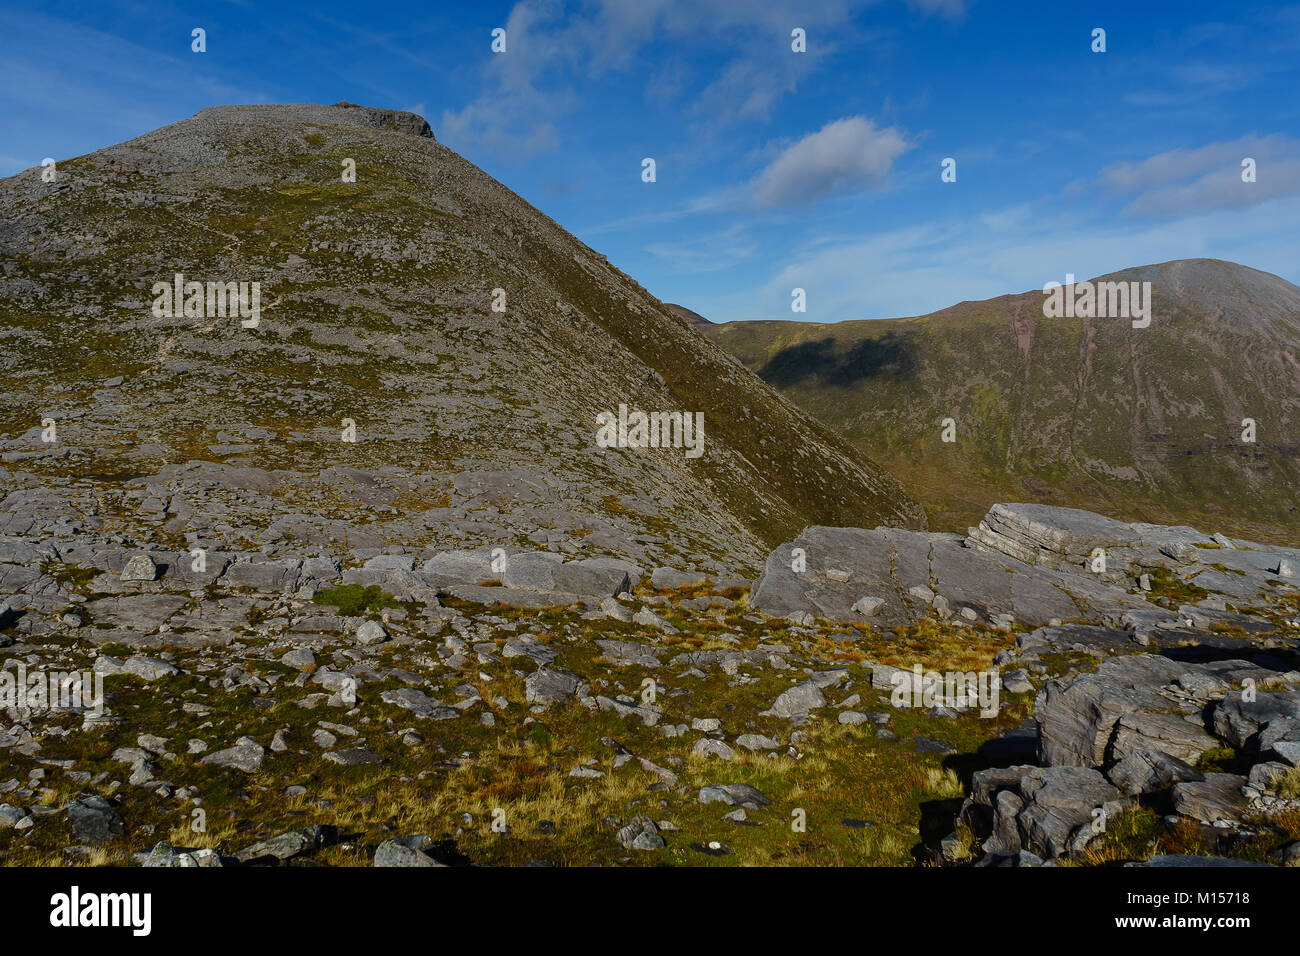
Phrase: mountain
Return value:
(692, 318)
(343, 559)
(1144, 423)
(468, 341)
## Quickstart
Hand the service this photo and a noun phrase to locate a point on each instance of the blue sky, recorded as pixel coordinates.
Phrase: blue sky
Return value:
(775, 169)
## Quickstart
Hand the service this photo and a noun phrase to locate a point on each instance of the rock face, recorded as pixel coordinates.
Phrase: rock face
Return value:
(1124, 732)
(1048, 811)
(1030, 563)
(398, 120)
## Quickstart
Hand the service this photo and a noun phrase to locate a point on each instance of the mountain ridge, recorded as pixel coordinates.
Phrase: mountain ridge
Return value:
(1087, 411)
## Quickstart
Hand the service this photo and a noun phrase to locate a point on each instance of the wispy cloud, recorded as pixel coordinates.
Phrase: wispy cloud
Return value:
(953, 9)
(554, 50)
(914, 271)
(1182, 181)
(711, 252)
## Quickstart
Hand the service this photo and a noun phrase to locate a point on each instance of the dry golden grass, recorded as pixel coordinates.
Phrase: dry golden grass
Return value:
(1289, 785)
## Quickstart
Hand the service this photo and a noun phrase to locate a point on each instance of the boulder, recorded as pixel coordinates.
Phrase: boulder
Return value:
(1078, 719)
(371, 632)
(246, 755)
(1239, 721)
(734, 794)
(628, 653)
(867, 606)
(262, 574)
(1145, 771)
(288, 845)
(551, 686)
(631, 834)
(139, 568)
(1049, 811)
(353, 757)
(798, 701)
(147, 668)
(1215, 800)
(419, 703)
(390, 853)
(93, 821)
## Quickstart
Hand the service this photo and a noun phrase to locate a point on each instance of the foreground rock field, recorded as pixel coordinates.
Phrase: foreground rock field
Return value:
(560, 706)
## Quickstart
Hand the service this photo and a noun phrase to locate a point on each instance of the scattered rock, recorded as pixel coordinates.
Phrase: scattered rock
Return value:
(734, 794)
(139, 568)
(93, 821)
(371, 632)
(289, 845)
(246, 755)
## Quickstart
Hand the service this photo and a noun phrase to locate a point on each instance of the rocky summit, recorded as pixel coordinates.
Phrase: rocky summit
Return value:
(330, 535)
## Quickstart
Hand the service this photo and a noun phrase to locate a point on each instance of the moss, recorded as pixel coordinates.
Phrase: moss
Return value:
(1164, 583)
(353, 600)
(71, 576)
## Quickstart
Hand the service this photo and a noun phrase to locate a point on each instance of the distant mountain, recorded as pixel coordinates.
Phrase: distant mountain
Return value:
(469, 340)
(693, 318)
(1146, 423)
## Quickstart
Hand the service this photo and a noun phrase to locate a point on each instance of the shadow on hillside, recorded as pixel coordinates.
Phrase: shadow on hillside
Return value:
(820, 361)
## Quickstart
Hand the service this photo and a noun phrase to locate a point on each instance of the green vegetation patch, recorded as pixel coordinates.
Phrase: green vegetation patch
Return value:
(353, 600)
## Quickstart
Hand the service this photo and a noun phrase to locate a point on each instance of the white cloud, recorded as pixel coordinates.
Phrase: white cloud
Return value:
(847, 154)
(1182, 181)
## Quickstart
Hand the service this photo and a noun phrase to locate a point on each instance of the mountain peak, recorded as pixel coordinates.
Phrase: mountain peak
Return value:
(427, 360)
(341, 113)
